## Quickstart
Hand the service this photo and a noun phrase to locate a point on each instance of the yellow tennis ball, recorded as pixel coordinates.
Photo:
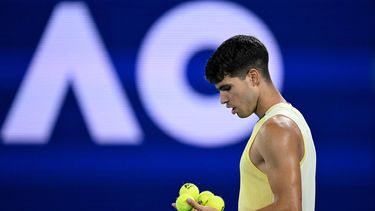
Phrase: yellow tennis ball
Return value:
(216, 202)
(181, 203)
(204, 196)
(191, 189)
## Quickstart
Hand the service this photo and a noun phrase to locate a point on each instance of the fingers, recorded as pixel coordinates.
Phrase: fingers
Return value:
(198, 207)
(194, 204)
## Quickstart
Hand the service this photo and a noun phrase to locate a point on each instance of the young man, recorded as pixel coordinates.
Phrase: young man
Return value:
(278, 164)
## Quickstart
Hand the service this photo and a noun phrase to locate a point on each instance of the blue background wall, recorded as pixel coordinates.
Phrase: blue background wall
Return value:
(328, 53)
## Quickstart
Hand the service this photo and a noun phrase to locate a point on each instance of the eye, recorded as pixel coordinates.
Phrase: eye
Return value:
(226, 88)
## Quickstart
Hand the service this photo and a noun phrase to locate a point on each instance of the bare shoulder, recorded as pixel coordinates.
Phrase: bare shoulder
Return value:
(280, 125)
(280, 135)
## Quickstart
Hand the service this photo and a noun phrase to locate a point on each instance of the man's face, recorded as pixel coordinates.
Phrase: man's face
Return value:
(238, 94)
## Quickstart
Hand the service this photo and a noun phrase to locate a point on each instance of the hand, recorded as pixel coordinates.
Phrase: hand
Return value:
(196, 206)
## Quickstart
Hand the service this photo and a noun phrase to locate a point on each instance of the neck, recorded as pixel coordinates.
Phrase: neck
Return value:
(268, 97)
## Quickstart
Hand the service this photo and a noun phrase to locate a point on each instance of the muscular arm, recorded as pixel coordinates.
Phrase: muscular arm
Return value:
(281, 147)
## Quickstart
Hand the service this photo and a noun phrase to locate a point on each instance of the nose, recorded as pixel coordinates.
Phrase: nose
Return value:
(223, 98)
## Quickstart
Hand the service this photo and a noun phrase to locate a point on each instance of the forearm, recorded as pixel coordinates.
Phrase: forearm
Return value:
(280, 207)
(270, 207)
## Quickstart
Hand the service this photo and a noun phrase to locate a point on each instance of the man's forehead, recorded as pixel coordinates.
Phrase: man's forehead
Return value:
(226, 80)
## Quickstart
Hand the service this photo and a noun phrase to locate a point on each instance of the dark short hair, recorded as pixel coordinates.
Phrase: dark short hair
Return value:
(235, 56)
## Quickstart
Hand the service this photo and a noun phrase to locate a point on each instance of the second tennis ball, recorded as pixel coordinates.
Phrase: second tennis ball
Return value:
(204, 196)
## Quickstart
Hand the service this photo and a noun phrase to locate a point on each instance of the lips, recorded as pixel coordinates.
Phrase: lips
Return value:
(233, 109)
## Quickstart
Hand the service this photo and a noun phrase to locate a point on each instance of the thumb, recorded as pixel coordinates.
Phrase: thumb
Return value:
(194, 204)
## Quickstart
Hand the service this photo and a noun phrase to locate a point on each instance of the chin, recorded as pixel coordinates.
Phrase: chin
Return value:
(243, 115)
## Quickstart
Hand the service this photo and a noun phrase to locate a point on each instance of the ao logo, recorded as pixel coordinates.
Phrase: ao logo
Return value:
(71, 53)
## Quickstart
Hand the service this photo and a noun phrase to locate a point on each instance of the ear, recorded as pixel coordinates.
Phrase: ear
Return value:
(253, 76)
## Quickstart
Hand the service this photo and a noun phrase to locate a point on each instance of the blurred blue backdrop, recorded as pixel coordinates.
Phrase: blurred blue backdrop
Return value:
(328, 58)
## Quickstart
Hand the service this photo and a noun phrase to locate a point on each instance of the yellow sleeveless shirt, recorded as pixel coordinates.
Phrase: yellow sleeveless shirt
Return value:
(255, 190)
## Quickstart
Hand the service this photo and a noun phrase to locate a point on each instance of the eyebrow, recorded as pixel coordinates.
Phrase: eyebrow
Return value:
(223, 86)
